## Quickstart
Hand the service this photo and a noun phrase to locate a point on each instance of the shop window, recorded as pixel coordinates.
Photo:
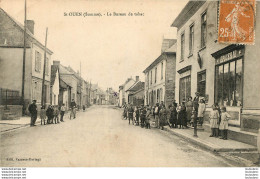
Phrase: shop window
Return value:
(185, 88)
(201, 83)
(228, 87)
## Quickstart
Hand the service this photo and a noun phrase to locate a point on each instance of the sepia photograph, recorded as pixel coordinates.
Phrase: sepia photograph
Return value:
(129, 83)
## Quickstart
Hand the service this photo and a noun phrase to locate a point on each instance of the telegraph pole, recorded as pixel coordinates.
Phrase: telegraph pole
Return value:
(24, 56)
(44, 64)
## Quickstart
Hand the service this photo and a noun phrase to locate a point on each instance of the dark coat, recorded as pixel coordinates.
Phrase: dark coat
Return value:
(49, 113)
(182, 116)
(173, 117)
(33, 109)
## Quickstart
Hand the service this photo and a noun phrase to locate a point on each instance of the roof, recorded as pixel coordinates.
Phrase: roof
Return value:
(63, 84)
(28, 32)
(136, 86)
(54, 69)
(167, 43)
(187, 12)
(172, 49)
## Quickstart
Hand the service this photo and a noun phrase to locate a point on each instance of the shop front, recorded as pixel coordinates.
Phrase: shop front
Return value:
(228, 89)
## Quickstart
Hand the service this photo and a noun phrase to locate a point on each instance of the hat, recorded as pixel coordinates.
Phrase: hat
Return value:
(34, 100)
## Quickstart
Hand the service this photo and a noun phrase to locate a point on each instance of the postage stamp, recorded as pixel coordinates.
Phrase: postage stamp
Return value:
(237, 22)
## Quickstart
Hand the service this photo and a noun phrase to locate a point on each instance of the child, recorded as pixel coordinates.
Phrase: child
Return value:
(224, 123)
(201, 110)
(43, 115)
(193, 116)
(56, 113)
(214, 121)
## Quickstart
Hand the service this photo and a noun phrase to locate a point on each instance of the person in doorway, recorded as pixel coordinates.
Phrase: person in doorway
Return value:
(62, 112)
(33, 111)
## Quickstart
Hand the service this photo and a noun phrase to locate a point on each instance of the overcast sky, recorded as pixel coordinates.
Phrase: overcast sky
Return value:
(110, 49)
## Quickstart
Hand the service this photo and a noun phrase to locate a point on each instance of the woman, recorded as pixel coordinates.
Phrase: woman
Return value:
(201, 110)
(162, 117)
(189, 108)
(182, 116)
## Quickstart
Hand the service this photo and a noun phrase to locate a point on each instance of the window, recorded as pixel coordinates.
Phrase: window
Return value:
(201, 83)
(155, 75)
(203, 29)
(38, 59)
(182, 46)
(151, 77)
(148, 79)
(162, 70)
(191, 43)
(228, 87)
(47, 66)
(185, 88)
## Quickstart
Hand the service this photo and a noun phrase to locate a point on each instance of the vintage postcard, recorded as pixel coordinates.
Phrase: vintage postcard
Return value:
(133, 83)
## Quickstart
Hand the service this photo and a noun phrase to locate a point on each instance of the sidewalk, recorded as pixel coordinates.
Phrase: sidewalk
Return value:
(211, 143)
(7, 125)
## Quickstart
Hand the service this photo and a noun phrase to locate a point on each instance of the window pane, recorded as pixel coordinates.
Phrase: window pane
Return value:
(219, 84)
(226, 85)
(239, 77)
(232, 84)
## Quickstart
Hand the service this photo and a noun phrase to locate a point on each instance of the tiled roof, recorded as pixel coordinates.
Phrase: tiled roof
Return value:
(136, 86)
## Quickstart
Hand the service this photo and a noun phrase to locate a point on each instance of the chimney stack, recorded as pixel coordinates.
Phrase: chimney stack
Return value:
(137, 78)
(30, 25)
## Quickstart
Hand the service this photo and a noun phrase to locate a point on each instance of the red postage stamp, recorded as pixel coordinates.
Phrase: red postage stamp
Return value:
(237, 21)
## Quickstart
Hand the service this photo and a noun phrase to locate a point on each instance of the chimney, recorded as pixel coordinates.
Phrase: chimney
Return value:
(30, 25)
(56, 62)
(137, 78)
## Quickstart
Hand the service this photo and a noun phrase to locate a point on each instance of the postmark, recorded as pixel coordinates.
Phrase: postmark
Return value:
(237, 22)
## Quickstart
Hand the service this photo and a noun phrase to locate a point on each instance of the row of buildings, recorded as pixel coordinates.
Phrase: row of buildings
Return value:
(227, 74)
(62, 84)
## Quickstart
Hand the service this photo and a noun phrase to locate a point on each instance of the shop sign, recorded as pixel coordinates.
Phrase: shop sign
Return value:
(230, 56)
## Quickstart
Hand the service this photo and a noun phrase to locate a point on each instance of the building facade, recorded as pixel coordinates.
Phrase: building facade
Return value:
(123, 95)
(11, 60)
(160, 78)
(221, 73)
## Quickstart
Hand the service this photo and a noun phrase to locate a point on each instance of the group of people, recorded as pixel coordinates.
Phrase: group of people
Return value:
(188, 113)
(53, 113)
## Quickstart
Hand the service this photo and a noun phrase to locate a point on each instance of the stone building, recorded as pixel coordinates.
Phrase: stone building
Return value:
(160, 76)
(221, 73)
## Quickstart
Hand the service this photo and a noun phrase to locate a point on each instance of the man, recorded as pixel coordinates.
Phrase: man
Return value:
(196, 101)
(156, 114)
(73, 106)
(130, 113)
(62, 112)
(33, 111)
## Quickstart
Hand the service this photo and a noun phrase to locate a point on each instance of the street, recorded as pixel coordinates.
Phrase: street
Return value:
(100, 138)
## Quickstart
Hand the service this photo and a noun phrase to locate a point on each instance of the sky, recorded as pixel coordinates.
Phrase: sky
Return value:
(109, 48)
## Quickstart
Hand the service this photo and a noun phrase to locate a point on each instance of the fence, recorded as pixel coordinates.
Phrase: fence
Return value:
(9, 97)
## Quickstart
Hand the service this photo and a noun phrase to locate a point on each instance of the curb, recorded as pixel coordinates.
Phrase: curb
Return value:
(207, 145)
